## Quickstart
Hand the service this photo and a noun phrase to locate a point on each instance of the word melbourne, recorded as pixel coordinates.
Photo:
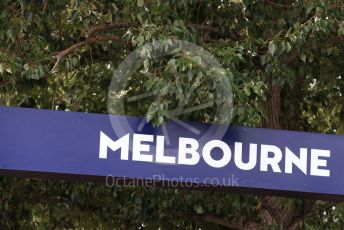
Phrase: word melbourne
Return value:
(263, 156)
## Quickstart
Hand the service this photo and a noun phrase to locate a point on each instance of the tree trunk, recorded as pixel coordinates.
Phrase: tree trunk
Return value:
(275, 211)
(273, 105)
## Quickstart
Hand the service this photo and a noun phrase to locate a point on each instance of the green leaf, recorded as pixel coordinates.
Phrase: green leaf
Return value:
(149, 117)
(319, 10)
(9, 70)
(1, 69)
(26, 66)
(247, 90)
(197, 60)
(303, 57)
(146, 65)
(199, 210)
(281, 47)
(160, 120)
(288, 47)
(272, 48)
(341, 30)
(263, 59)
(4, 13)
(140, 3)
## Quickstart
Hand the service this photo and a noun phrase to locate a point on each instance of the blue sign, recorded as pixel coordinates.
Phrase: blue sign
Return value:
(58, 144)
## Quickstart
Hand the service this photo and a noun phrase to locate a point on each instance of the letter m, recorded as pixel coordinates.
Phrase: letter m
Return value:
(106, 142)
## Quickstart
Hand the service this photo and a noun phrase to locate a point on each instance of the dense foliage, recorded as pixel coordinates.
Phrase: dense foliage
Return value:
(284, 60)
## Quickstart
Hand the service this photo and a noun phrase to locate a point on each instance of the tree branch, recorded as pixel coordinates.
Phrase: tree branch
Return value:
(210, 219)
(289, 60)
(310, 211)
(205, 27)
(273, 4)
(333, 40)
(207, 218)
(61, 54)
(293, 220)
(104, 27)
